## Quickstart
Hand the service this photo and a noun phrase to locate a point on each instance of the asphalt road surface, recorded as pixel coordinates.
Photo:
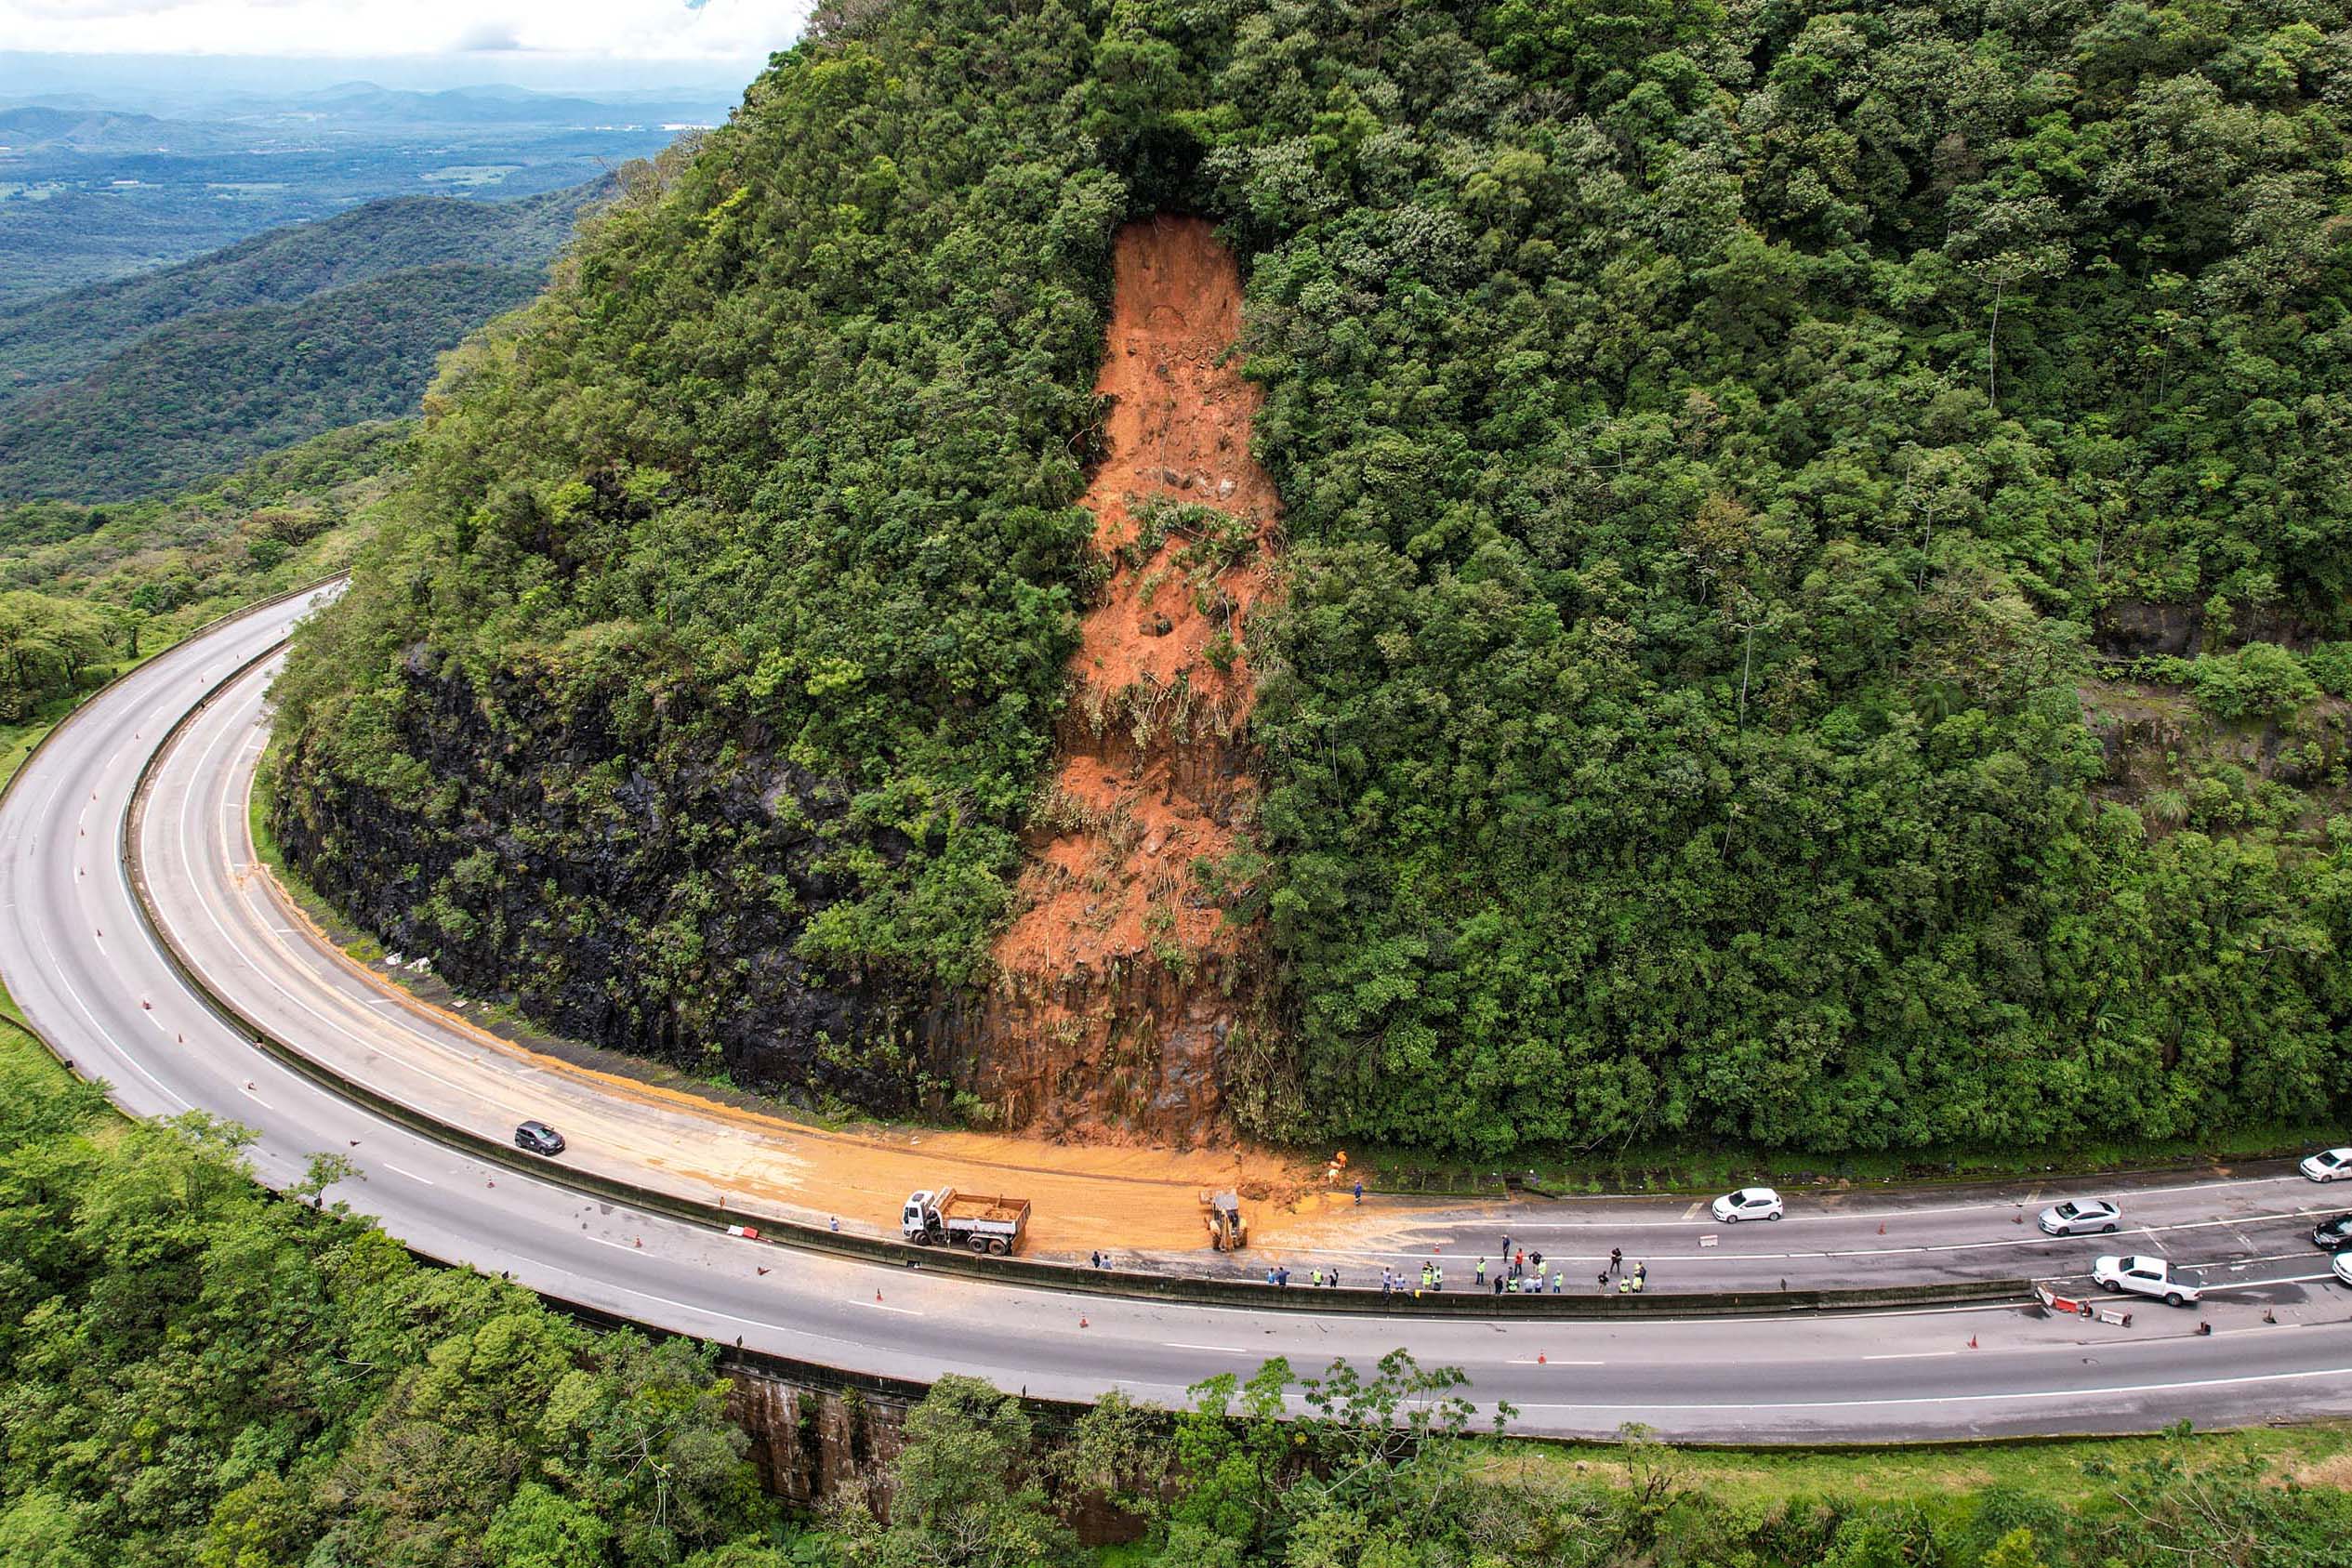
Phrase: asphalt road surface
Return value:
(76, 957)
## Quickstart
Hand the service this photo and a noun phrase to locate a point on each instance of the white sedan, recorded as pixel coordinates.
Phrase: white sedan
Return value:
(2082, 1217)
(2329, 1165)
(2341, 1262)
(1748, 1203)
(2145, 1276)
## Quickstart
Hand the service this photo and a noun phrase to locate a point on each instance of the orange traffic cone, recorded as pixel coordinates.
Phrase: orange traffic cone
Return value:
(1539, 1358)
(1971, 1341)
(1082, 1322)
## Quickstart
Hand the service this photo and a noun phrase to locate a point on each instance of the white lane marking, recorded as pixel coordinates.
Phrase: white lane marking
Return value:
(1911, 1355)
(2099, 1392)
(1213, 1350)
(48, 951)
(2256, 1284)
(886, 1307)
(396, 1170)
(2240, 1183)
(211, 913)
(689, 1306)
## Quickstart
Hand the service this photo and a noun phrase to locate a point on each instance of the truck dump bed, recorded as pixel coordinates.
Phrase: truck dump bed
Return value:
(984, 1208)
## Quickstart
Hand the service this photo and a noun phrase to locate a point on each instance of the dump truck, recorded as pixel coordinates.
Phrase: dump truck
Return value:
(1228, 1231)
(947, 1217)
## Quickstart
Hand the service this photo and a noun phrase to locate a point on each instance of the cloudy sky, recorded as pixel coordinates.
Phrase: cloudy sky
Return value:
(612, 30)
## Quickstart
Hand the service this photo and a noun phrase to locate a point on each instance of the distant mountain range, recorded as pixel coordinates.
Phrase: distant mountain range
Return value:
(41, 129)
(84, 121)
(149, 383)
(93, 186)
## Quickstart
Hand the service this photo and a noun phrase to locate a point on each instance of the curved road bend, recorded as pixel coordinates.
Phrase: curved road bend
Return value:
(196, 844)
(73, 953)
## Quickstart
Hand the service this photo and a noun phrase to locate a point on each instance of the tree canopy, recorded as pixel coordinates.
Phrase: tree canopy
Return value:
(1746, 469)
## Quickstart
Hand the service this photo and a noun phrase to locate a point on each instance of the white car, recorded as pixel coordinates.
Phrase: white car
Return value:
(2082, 1217)
(2341, 1262)
(2145, 1276)
(2329, 1165)
(1748, 1203)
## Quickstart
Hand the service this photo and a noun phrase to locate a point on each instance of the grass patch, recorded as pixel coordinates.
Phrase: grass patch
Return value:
(14, 1014)
(2074, 1474)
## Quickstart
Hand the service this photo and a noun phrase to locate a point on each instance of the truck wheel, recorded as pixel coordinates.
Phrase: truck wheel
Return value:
(997, 1244)
(980, 1243)
(920, 1238)
(2172, 1299)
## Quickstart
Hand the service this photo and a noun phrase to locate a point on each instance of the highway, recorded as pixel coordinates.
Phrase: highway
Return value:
(75, 954)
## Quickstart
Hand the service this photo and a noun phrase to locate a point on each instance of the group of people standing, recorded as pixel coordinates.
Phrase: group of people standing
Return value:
(1522, 1273)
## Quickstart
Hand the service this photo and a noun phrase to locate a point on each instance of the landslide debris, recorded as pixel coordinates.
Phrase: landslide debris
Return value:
(1124, 974)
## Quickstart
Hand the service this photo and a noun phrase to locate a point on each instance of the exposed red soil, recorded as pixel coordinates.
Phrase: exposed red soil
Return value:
(1123, 978)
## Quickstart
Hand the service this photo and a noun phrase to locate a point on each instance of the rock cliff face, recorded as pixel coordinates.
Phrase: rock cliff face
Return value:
(700, 869)
(1125, 983)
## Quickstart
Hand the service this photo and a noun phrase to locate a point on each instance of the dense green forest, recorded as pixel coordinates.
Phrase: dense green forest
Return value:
(1816, 538)
(87, 590)
(67, 334)
(197, 397)
(196, 1372)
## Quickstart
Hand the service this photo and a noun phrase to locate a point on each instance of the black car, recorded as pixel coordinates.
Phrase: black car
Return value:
(2329, 1235)
(538, 1138)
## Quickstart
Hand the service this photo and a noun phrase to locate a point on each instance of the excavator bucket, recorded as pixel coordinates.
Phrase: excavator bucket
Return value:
(1221, 1212)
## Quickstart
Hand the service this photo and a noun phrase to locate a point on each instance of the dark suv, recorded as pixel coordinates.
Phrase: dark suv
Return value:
(2329, 1235)
(538, 1138)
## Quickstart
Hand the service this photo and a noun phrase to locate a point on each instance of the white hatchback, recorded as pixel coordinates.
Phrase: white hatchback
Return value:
(1748, 1203)
(2327, 1164)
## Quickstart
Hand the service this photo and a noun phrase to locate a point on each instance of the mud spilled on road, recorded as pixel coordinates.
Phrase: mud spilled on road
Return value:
(1125, 990)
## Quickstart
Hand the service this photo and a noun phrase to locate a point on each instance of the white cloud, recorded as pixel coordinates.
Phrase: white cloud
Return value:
(647, 29)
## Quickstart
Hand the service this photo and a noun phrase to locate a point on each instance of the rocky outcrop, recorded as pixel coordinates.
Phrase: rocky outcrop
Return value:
(2137, 628)
(647, 902)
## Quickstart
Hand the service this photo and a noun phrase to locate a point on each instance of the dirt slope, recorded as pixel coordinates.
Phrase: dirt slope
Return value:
(1123, 981)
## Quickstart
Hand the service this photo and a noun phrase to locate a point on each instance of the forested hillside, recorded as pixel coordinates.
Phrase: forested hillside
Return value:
(199, 396)
(1814, 547)
(63, 335)
(153, 383)
(193, 1371)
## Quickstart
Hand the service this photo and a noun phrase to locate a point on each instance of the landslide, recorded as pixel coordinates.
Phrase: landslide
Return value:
(1723, 454)
(1128, 992)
